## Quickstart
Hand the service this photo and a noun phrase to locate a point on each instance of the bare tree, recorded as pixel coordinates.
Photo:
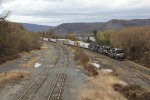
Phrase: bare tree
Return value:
(4, 16)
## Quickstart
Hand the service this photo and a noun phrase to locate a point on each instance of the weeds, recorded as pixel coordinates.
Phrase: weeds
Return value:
(12, 77)
(91, 69)
(29, 63)
(80, 57)
(83, 60)
(132, 92)
(101, 88)
(4, 59)
(14, 39)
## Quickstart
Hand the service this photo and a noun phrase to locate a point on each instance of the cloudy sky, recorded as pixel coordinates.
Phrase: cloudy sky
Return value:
(54, 12)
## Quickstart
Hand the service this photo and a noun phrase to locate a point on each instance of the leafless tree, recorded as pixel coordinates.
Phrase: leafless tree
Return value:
(4, 16)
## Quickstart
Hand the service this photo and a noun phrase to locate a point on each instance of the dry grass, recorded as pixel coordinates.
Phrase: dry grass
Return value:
(44, 47)
(71, 49)
(83, 62)
(80, 57)
(23, 54)
(133, 92)
(101, 88)
(91, 69)
(29, 63)
(105, 61)
(79, 67)
(5, 59)
(12, 77)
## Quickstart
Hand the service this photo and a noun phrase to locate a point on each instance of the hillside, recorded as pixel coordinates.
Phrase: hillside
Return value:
(76, 27)
(14, 39)
(87, 28)
(36, 28)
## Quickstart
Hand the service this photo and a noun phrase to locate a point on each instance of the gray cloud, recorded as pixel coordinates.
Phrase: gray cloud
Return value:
(53, 12)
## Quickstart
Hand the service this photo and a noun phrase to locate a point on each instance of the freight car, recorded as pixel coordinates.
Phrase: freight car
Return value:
(52, 40)
(115, 53)
(77, 43)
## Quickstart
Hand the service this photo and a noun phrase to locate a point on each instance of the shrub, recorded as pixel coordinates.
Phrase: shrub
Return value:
(15, 39)
(132, 92)
(81, 57)
(91, 69)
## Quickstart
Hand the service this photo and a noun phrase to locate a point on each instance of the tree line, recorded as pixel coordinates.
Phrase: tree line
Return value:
(14, 38)
(135, 41)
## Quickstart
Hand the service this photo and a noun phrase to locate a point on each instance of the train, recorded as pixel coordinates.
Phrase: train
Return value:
(115, 53)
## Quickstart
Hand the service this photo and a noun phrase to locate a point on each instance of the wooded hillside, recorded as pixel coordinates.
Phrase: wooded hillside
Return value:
(134, 40)
(15, 39)
(85, 29)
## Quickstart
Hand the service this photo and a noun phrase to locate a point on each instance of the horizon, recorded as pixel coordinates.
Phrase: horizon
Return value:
(56, 12)
(81, 22)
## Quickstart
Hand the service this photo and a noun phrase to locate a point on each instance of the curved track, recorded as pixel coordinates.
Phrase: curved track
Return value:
(59, 83)
(57, 89)
(60, 78)
(136, 71)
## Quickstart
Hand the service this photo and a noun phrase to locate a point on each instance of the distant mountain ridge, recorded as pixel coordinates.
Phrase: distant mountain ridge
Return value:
(36, 28)
(87, 28)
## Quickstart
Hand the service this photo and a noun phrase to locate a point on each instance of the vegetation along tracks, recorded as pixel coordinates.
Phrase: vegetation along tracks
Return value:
(139, 72)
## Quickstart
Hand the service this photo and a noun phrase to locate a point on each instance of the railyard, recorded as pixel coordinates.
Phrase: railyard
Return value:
(74, 50)
(58, 78)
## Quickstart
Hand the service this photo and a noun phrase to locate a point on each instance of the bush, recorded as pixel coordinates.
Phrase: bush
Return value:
(132, 92)
(91, 69)
(81, 57)
(15, 39)
(136, 43)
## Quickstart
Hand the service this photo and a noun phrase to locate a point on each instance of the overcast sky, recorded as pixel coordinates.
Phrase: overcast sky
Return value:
(54, 12)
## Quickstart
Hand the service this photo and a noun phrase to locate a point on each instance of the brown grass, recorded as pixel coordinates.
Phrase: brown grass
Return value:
(30, 63)
(101, 88)
(12, 77)
(44, 47)
(80, 57)
(83, 62)
(91, 69)
(24, 54)
(132, 92)
(5, 59)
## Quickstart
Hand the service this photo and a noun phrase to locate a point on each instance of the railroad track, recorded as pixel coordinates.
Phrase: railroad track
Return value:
(39, 80)
(55, 93)
(125, 65)
(139, 73)
(27, 95)
(57, 88)
(66, 52)
(58, 85)
(133, 66)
